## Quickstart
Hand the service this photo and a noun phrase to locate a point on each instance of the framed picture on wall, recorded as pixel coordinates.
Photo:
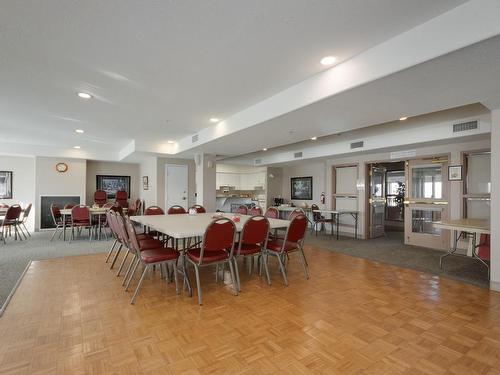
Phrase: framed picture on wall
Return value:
(145, 183)
(5, 185)
(455, 173)
(301, 188)
(112, 184)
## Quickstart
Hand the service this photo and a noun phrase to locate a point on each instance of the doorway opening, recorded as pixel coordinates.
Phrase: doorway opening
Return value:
(387, 191)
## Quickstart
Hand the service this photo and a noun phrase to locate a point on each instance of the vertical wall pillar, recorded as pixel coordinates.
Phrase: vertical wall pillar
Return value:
(205, 181)
(495, 200)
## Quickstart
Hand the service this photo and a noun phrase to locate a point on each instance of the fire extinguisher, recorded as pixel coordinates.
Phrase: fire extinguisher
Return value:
(322, 198)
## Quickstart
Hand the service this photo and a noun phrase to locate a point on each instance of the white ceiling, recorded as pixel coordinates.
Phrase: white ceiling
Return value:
(159, 70)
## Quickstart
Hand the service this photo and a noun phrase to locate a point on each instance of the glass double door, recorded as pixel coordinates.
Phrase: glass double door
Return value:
(377, 201)
(426, 202)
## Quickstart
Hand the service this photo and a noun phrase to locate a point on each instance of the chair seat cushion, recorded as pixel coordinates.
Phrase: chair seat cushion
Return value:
(277, 245)
(144, 236)
(324, 220)
(150, 243)
(159, 254)
(81, 223)
(247, 248)
(208, 256)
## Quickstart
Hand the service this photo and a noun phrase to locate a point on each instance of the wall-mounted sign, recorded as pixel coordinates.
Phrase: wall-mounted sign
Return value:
(403, 154)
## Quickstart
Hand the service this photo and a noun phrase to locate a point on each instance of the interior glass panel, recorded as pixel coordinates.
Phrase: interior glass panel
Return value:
(479, 174)
(421, 220)
(427, 182)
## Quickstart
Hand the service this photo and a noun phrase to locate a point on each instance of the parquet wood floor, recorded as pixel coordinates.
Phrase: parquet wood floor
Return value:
(71, 316)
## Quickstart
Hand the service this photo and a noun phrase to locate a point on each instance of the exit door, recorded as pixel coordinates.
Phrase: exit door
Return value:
(176, 186)
(377, 201)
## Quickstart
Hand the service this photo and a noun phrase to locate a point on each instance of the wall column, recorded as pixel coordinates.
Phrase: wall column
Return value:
(205, 181)
(495, 200)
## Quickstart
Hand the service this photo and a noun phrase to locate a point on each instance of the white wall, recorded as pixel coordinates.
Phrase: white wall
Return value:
(50, 182)
(318, 172)
(148, 167)
(160, 180)
(23, 183)
(95, 168)
(495, 200)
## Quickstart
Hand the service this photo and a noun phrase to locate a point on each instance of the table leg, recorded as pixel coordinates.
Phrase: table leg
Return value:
(355, 217)
(98, 227)
(64, 227)
(456, 237)
(332, 216)
(338, 220)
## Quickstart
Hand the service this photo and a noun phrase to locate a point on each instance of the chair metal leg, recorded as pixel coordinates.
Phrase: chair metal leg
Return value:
(266, 267)
(304, 263)
(198, 285)
(123, 263)
(116, 257)
(27, 231)
(111, 250)
(233, 278)
(217, 273)
(174, 266)
(132, 301)
(132, 274)
(55, 231)
(235, 260)
(282, 269)
(132, 262)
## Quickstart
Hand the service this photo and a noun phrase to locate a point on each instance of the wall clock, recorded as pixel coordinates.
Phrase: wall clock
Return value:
(61, 167)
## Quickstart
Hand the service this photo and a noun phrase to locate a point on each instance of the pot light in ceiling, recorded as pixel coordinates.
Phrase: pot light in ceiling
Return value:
(328, 60)
(84, 95)
(170, 142)
(214, 119)
(314, 138)
(79, 131)
(264, 149)
(76, 147)
(402, 118)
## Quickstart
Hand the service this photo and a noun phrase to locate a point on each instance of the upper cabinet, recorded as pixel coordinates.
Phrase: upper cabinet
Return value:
(241, 180)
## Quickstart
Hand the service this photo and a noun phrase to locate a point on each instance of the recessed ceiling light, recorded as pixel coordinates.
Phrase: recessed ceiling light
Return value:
(84, 95)
(328, 60)
(80, 131)
(402, 118)
(264, 149)
(76, 147)
(314, 138)
(170, 142)
(214, 119)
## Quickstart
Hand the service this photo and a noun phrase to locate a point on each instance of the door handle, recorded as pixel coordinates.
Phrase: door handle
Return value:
(183, 198)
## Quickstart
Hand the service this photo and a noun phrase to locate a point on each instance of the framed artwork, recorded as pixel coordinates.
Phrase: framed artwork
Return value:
(455, 173)
(112, 184)
(5, 185)
(145, 183)
(302, 188)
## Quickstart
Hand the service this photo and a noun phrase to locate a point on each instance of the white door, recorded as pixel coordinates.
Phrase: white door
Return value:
(176, 186)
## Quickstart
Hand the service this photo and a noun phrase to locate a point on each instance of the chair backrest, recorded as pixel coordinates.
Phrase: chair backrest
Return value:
(255, 230)
(218, 236)
(100, 197)
(121, 229)
(176, 210)
(294, 213)
(116, 208)
(133, 242)
(26, 212)
(4, 205)
(316, 215)
(242, 210)
(138, 205)
(272, 213)
(56, 213)
(297, 229)
(483, 249)
(255, 211)
(199, 209)
(154, 210)
(12, 214)
(80, 213)
(122, 198)
(108, 205)
(69, 206)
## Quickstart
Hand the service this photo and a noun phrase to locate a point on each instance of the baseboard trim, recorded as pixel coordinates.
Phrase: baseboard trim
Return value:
(495, 285)
(16, 285)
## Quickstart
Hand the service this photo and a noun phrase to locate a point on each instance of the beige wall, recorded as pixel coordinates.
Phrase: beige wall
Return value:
(148, 167)
(316, 170)
(95, 168)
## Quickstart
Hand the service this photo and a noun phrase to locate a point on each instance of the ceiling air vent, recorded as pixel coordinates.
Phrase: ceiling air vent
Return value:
(465, 126)
(194, 138)
(297, 155)
(357, 144)
(257, 161)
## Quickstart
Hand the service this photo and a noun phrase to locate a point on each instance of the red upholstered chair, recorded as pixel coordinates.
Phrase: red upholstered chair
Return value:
(242, 210)
(253, 240)
(69, 206)
(100, 198)
(154, 210)
(58, 220)
(318, 219)
(116, 208)
(272, 213)
(296, 212)
(483, 249)
(216, 248)
(11, 220)
(199, 209)
(176, 210)
(254, 211)
(80, 219)
(293, 242)
(24, 219)
(151, 257)
(122, 198)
